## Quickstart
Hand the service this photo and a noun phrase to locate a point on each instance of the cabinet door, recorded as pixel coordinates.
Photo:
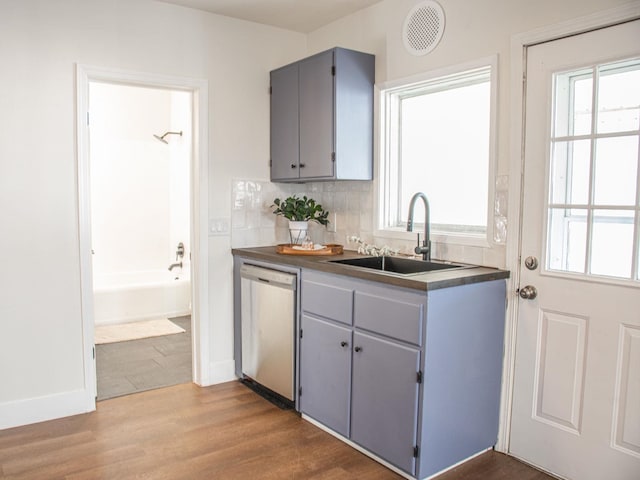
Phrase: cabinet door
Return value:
(284, 123)
(384, 416)
(317, 116)
(325, 373)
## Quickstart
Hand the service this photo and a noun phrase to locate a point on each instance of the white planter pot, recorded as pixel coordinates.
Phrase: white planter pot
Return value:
(298, 231)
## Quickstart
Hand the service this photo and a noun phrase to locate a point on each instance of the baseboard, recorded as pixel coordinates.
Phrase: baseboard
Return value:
(40, 409)
(358, 447)
(138, 318)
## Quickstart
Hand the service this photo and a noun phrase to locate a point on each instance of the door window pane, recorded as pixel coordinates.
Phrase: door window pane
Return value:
(619, 98)
(567, 239)
(573, 110)
(612, 243)
(570, 172)
(616, 167)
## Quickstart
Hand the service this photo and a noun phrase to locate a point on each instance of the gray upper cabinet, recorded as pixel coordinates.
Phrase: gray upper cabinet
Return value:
(284, 122)
(322, 118)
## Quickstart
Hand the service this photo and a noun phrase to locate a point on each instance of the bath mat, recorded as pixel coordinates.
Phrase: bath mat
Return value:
(134, 331)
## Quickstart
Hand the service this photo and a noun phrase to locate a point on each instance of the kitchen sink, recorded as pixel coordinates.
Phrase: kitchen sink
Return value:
(403, 266)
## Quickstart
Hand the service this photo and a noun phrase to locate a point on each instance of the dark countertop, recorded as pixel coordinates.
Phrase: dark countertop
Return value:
(420, 281)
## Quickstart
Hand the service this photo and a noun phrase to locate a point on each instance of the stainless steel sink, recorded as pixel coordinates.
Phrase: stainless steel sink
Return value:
(403, 266)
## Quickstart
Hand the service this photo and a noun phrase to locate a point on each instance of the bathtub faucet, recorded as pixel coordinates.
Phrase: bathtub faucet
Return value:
(174, 265)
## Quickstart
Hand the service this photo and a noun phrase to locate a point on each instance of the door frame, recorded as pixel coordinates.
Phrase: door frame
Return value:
(198, 222)
(519, 45)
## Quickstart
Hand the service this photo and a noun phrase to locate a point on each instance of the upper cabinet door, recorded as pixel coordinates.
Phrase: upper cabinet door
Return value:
(317, 116)
(284, 123)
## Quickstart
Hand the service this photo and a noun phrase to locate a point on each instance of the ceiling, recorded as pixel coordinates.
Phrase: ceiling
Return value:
(299, 15)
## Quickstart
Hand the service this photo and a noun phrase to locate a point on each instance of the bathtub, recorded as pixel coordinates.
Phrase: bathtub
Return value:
(135, 296)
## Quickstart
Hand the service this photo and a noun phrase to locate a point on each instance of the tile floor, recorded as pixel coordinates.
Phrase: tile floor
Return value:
(138, 365)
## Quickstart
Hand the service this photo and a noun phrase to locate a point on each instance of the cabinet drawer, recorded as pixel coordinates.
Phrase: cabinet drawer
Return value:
(396, 318)
(327, 301)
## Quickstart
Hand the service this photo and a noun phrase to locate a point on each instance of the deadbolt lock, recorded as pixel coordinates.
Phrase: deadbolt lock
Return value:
(531, 263)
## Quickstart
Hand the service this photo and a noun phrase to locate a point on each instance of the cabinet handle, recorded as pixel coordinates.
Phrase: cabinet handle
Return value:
(293, 165)
(343, 344)
(358, 349)
(302, 165)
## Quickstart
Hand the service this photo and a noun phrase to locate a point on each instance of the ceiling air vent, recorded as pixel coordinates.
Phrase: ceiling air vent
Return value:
(423, 27)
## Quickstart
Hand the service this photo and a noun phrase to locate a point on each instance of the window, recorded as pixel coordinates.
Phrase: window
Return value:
(593, 211)
(437, 138)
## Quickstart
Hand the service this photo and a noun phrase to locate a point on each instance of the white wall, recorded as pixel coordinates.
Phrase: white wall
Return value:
(41, 364)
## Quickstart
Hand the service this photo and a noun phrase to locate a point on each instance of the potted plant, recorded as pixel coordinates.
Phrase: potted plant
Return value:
(299, 212)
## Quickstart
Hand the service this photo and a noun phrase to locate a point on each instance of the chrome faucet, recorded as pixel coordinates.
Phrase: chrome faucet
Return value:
(425, 248)
(174, 265)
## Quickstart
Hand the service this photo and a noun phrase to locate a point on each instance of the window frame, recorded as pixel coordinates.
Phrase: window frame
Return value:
(387, 137)
(590, 206)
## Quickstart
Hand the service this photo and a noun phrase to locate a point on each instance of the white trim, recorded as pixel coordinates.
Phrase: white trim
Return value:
(222, 371)
(519, 44)
(40, 409)
(436, 237)
(491, 60)
(358, 447)
(384, 462)
(199, 215)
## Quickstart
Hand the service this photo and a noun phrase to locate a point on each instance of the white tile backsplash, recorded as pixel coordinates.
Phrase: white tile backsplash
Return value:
(254, 224)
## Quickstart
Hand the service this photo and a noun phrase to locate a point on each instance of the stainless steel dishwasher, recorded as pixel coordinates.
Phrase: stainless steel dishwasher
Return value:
(268, 328)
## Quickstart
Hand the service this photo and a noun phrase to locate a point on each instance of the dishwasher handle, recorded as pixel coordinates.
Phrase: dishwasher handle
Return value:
(266, 275)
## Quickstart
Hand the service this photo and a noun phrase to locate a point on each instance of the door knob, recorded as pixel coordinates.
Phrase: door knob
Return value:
(358, 349)
(343, 344)
(528, 293)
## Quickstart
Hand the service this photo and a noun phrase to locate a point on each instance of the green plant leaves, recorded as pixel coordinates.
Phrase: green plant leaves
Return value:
(301, 210)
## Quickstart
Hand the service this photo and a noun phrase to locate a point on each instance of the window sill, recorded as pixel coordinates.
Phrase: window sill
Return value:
(436, 237)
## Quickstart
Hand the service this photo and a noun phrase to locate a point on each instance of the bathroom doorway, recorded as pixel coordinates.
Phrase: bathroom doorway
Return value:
(140, 158)
(143, 194)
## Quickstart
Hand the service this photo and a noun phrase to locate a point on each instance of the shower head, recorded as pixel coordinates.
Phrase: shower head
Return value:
(161, 138)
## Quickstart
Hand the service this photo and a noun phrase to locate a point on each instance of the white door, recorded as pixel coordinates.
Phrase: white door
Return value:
(576, 399)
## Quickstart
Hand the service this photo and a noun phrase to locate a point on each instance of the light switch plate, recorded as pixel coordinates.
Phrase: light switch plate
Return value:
(219, 226)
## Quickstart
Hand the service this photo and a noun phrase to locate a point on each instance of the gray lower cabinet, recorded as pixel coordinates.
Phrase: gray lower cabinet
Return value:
(411, 376)
(358, 377)
(325, 373)
(385, 399)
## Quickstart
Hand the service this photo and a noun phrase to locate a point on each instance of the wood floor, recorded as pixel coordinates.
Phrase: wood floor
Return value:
(187, 432)
(135, 366)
